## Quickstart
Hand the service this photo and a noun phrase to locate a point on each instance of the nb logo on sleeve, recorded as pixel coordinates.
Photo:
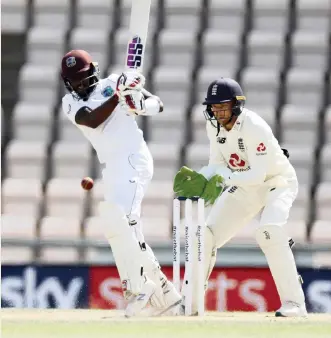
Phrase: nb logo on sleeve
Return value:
(221, 140)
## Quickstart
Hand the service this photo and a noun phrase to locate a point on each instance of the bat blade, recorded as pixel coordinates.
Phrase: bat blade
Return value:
(139, 21)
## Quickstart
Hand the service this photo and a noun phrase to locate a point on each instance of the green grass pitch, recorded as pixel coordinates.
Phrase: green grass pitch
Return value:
(25, 323)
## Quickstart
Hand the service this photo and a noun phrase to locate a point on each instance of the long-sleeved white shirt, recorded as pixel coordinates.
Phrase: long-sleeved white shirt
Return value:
(120, 132)
(248, 154)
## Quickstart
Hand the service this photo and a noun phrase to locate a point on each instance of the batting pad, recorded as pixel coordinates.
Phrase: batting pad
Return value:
(273, 241)
(125, 247)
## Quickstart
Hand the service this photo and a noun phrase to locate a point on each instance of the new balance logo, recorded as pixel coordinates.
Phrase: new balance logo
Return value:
(221, 140)
(141, 296)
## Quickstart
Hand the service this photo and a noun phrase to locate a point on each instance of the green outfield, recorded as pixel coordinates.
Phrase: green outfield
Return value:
(101, 324)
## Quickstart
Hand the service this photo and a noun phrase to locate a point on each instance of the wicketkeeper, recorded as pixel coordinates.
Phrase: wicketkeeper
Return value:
(248, 176)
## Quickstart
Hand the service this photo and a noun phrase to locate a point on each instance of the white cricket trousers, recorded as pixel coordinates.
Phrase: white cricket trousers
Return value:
(126, 180)
(237, 207)
(126, 177)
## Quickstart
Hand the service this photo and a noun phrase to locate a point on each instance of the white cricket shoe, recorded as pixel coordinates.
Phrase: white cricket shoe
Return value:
(172, 299)
(182, 309)
(138, 302)
(291, 309)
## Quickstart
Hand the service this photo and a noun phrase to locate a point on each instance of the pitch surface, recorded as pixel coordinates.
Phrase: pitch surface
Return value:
(24, 323)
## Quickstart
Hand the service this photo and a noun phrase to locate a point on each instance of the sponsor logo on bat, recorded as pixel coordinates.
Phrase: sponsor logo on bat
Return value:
(135, 52)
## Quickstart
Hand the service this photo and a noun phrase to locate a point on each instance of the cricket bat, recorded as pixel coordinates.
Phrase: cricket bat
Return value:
(138, 34)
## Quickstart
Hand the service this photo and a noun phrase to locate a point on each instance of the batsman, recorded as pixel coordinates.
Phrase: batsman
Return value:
(105, 111)
(248, 176)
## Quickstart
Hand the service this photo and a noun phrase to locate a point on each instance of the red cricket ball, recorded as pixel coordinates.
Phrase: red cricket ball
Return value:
(87, 183)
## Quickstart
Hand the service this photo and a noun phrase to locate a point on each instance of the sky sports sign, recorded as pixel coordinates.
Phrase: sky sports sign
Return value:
(230, 289)
(44, 287)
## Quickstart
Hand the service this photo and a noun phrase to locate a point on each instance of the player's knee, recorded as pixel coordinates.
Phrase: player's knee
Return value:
(270, 235)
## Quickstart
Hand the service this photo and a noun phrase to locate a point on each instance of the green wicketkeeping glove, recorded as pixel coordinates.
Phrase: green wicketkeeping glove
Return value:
(213, 189)
(189, 183)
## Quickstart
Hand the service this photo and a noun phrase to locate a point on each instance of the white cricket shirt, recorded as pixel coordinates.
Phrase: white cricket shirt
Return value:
(119, 133)
(248, 154)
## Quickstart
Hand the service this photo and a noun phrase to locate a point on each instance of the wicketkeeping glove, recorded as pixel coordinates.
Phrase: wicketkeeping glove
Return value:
(189, 183)
(213, 189)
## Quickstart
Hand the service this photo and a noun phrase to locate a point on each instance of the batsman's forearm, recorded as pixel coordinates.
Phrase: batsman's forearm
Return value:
(101, 113)
(85, 116)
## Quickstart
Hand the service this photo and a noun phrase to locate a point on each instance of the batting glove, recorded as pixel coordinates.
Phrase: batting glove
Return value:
(133, 101)
(130, 81)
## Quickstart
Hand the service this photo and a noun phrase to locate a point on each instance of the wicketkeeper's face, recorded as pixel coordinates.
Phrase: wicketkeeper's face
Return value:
(222, 112)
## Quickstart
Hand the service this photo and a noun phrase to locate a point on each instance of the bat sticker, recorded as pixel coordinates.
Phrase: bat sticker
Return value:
(135, 52)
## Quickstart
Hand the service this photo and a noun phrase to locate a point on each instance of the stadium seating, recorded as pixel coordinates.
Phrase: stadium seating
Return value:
(25, 159)
(96, 15)
(270, 15)
(70, 160)
(59, 228)
(32, 122)
(227, 15)
(14, 16)
(21, 196)
(278, 50)
(64, 196)
(180, 14)
(261, 86)
(18, 227)
(313, 16)
(265, 50)
(299, 126)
